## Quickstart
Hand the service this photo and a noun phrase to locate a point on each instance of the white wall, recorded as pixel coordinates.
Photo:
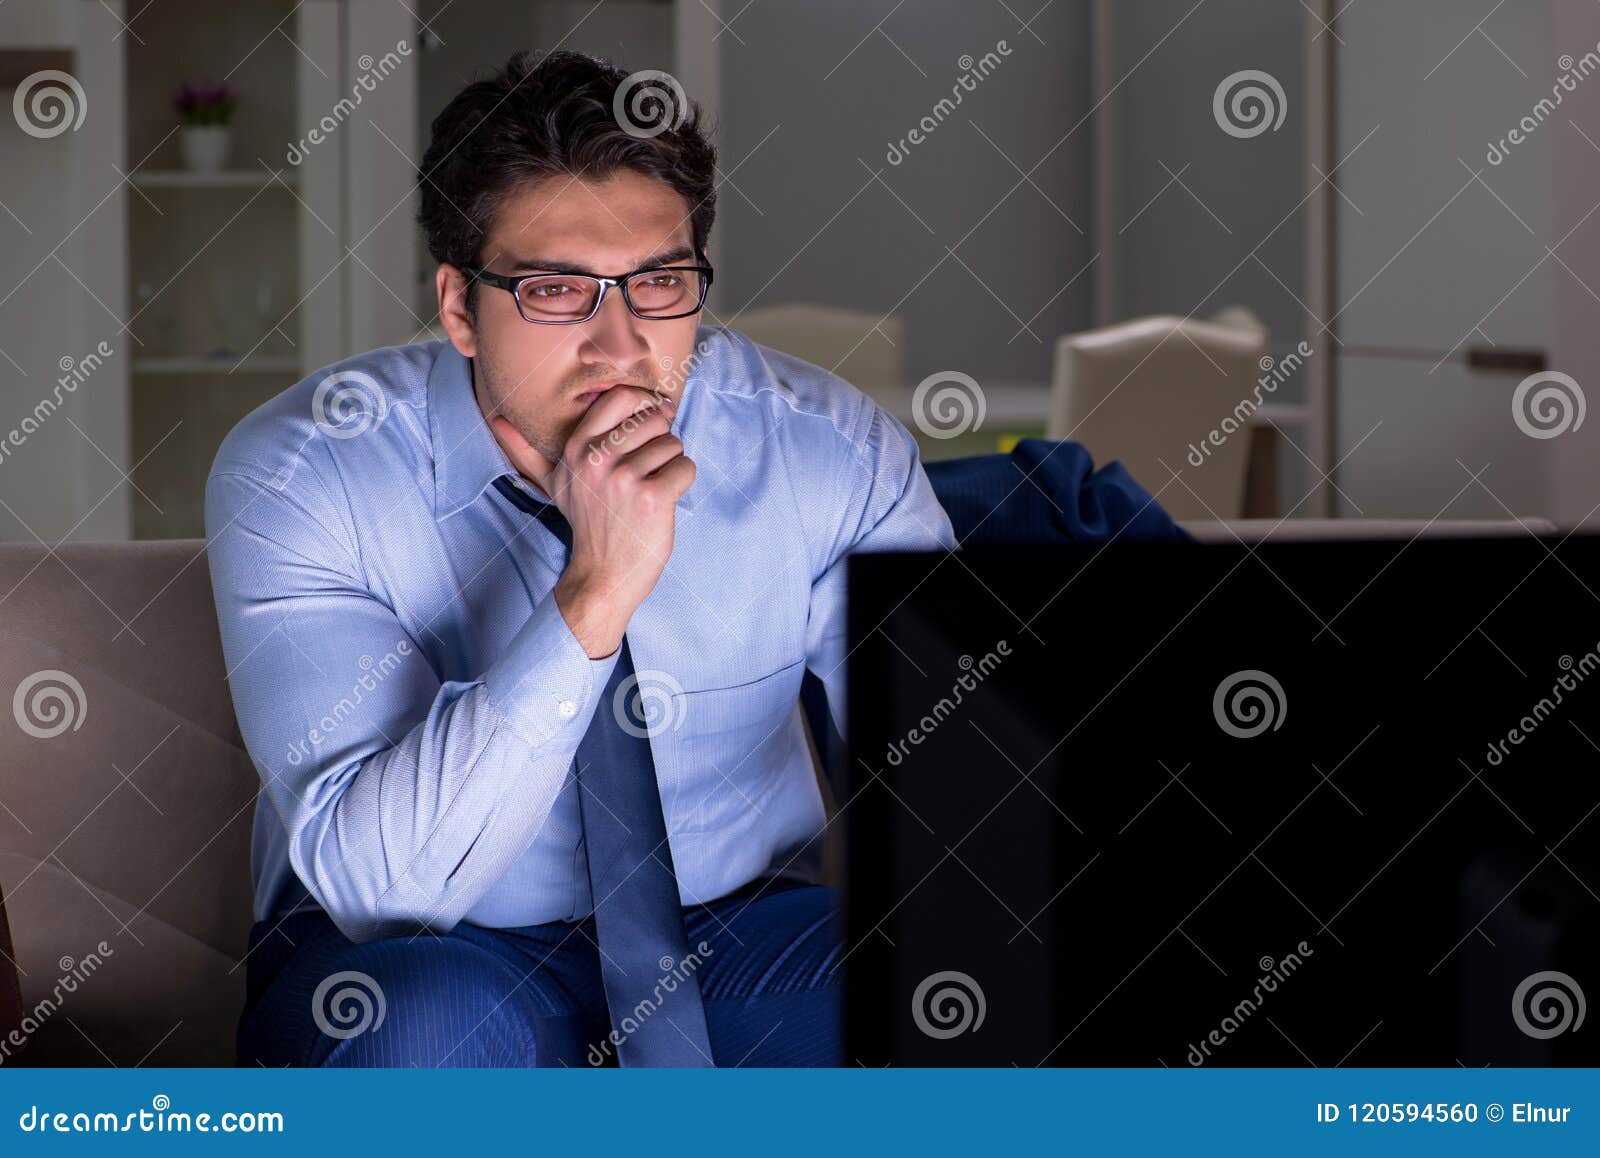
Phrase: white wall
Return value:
(806, 120)
(1169, 59)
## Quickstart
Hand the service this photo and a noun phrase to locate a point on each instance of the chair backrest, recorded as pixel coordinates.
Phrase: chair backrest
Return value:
(1151, 392)
(865, 349)
(125, 764)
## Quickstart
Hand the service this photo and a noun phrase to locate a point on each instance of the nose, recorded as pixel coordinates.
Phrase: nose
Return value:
(616, 333)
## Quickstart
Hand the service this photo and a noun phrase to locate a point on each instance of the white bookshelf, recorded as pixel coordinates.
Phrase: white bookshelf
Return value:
(241, 282)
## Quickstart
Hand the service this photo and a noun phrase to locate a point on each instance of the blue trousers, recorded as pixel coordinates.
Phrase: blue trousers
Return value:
(533, 995)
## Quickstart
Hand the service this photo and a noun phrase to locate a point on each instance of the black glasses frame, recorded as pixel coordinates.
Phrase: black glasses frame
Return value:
(513, 286)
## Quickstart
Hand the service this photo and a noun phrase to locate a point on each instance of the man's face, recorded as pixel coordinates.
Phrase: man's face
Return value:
(542, 378)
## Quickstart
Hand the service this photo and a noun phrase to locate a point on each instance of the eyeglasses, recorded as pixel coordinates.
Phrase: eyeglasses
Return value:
(564, 299)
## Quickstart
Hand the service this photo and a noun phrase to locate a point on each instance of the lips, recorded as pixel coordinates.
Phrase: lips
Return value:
(588, 397)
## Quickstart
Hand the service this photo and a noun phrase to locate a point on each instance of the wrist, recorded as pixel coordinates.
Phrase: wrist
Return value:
(590, 611)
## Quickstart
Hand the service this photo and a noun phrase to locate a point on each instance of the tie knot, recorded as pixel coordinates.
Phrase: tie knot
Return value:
(547, 513)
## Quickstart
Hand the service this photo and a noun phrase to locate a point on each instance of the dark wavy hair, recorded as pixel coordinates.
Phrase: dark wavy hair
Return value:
(553, 116)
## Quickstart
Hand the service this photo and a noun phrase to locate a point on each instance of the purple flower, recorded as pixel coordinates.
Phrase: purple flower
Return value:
(205, 104)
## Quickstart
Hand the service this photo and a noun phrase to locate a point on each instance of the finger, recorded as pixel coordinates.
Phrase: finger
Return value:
(614, 407)
(653, 455)
(523, 456)
(508, 434)
(628, 435)
(677, 476)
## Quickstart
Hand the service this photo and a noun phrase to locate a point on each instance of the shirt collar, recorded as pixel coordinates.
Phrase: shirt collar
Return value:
(466, 455)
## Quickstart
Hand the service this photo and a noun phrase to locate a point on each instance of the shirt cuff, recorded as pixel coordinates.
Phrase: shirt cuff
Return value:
(545, 682)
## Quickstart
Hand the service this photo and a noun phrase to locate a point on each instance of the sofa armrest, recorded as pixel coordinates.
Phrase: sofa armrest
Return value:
(10, 983)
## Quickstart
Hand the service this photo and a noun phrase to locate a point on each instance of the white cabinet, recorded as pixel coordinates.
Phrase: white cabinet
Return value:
(212, 290)
(1440, 252)
(1421, 431)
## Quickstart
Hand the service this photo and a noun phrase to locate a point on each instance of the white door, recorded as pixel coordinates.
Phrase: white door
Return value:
(1441, 254)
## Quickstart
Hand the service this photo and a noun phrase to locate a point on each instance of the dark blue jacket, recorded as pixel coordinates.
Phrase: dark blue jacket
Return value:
(1046, 494)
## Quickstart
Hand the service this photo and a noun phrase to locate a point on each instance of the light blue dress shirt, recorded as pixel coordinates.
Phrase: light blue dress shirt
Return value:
(412, 697)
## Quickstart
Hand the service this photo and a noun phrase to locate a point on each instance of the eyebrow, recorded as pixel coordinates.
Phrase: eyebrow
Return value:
(542, 265)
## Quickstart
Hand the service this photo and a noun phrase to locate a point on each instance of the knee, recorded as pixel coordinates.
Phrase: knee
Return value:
(399, 1001)
(790, 942)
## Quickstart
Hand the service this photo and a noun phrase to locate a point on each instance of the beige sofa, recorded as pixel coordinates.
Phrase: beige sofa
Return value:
(132, 826)
(125, 838)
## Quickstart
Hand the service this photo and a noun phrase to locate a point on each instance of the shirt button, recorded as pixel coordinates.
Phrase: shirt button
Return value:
(567, 708)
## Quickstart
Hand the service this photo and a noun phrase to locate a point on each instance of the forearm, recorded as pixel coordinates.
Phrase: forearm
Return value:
(418, 832)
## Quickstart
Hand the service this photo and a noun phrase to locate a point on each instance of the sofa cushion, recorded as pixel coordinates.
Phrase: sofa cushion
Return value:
(104, 984)
(120, 761)
(126, 801)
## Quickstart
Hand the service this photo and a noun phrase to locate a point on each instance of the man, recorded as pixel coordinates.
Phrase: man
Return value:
(516, 622)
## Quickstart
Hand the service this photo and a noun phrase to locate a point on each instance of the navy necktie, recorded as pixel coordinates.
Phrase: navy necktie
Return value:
(638, 917)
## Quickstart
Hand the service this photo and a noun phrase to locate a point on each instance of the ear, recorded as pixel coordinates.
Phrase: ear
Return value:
(450, 284)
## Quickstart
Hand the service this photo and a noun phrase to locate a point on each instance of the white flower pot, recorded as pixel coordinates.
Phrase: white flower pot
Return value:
(205, 148)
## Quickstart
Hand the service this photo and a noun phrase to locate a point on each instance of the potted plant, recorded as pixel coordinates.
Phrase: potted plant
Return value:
(206, 110)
